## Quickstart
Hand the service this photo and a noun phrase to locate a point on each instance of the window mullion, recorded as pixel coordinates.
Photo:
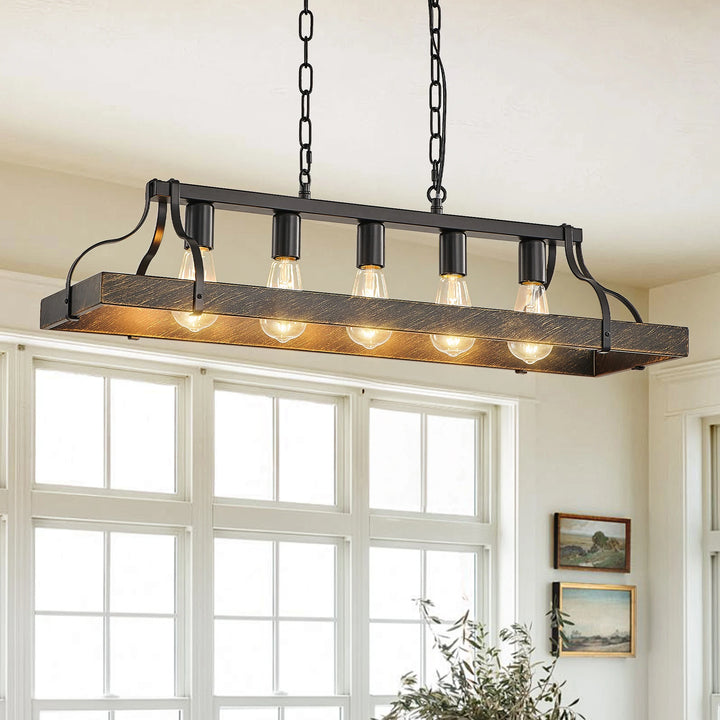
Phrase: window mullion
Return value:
(275, 616)
(106, 614)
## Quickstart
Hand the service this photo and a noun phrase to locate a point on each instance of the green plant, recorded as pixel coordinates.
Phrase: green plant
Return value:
(484, 681)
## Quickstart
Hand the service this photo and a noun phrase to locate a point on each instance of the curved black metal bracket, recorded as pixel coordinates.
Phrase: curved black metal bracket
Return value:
(68, 279)
(570, 249)
(616, 295)
(157, 237)
(199, 287)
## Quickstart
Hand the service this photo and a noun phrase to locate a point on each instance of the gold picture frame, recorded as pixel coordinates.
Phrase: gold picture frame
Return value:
(603, 617)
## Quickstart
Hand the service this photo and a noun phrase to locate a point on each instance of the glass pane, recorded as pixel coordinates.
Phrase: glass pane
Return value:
(142, 657)
(243, 445)
(142, 573)
(307, 580)
(307, 452)
(69, 429)
(147, 715)
(451, 583)
(249, 713)
(312, 713)
(395, 457)
(394, 651)
(243, 577)
(395, 576)
(243, 657)
(68, 657)
(69, 570)
(307, 658)
(451, 465)
(142, 436)
(435, 664)
(381, 710)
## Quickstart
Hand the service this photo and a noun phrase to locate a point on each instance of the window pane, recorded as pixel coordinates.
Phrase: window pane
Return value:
(307, 658)
(249, 713)
(312, 713)
(395, 575)
(243, 577)
(68, 570)
(451, 465)
(307, 580)
(394, 651)
(243, 445)
(147, 715)
(142, 657)
(68, 657)
(435, 664)
(243, 657)
(307, 452)
(142, 573)
(395, 460)
(69, 429)
(451, 583)
(142, 436)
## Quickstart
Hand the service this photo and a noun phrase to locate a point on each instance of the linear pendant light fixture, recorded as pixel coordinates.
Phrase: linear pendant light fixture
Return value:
(195, 307)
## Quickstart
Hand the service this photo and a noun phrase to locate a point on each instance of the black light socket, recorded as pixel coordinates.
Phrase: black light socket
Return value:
(286, 235)
(370, 244)
(532, 261)
(200, 224)
(453, 253)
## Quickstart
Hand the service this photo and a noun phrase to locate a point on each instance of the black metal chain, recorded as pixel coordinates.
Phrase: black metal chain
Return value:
(306, 26)
(437, 97)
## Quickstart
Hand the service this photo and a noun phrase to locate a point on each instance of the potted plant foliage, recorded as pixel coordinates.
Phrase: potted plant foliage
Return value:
(483, 681)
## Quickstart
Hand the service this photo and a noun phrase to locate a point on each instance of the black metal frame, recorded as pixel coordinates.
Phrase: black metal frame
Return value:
(543, 238)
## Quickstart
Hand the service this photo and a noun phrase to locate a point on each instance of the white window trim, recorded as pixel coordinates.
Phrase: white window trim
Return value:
(25, 503)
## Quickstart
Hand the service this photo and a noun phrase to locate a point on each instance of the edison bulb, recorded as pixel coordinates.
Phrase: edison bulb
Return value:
(531, 298)
(285, 274)
(453, 290)
(195, 323)
(369, 282)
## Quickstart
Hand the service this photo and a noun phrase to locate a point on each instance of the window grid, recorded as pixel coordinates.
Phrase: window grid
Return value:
(107, 614)
(712, 560)
(425, 643)
(483, 457)
(276, 617)
(346, 522)
(277, 395)
(107, 374)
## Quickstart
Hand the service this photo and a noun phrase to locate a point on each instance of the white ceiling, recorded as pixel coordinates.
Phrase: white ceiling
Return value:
(601, 113)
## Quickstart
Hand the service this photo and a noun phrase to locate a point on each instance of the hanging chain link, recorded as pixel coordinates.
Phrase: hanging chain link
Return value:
(437, 97)
(306, 26)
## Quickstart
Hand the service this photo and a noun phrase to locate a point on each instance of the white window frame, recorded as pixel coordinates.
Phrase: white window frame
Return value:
(194, 509)
(711, 560)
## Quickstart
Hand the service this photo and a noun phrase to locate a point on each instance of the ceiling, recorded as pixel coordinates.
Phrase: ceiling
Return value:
(602, 113)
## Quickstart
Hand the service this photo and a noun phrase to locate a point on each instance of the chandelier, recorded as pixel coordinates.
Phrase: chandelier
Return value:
(368, 322)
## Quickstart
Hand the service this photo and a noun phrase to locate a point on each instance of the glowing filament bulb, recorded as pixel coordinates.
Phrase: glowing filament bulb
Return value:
(369, 282)
(531, 298)
(284, 273)
(453, 290)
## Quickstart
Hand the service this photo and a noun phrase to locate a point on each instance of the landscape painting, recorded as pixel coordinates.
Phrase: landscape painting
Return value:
(587, 542)
(602, 617)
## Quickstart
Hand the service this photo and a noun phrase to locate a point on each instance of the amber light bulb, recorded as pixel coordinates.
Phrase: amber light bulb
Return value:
(284, 273)
(370, 280)
(531, 298)
(453, 289)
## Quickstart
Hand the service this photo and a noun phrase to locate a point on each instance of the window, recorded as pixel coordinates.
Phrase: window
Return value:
(210, 544)
(712, 557)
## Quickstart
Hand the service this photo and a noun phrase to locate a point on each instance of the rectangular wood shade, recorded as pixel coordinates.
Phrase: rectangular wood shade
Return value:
(140, 306)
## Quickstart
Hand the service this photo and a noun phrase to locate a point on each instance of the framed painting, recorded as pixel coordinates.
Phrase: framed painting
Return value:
(602, 616)
(590, 542)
